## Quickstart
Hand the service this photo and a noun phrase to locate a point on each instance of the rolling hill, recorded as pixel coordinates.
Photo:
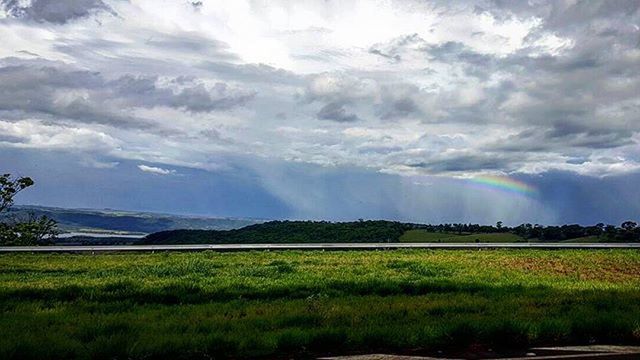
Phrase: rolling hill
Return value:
(117, 222)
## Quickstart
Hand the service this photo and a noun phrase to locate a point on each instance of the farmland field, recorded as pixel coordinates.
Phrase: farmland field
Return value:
(250, 304)
(428, 236)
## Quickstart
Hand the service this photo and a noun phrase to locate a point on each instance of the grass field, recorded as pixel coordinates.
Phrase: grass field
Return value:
(585, 239)
(427, 236)
(265, 304)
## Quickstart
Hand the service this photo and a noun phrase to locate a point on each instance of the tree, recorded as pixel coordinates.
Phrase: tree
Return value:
(610, 232)
(595, 230)
(14, 231)
(629, 225)
(630, 232)
(10, 187)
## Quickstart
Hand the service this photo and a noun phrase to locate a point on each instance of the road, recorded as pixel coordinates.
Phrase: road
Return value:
(319, 246)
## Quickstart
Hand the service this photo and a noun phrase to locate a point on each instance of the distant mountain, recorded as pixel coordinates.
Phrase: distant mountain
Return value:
(123, 222)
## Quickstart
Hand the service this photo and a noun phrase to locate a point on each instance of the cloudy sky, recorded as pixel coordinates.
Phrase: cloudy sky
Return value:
(326, 109)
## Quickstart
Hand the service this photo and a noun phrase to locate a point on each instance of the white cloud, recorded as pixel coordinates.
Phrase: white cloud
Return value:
(155, 170)
(409, 87)
(38, 134)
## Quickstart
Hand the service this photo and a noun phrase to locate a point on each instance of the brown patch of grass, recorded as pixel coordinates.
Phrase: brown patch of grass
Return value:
(594, 268)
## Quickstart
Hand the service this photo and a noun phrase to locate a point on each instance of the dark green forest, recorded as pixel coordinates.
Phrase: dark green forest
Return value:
(380, 231)
(287, 232)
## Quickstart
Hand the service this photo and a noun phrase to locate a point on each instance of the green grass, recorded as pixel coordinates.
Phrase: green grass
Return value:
(585, 239)
(427, 236)
(284, 304)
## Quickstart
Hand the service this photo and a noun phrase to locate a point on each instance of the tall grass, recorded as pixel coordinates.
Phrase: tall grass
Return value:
(262, 304)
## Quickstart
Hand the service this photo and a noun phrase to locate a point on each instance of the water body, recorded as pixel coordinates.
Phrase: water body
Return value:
(101, 235)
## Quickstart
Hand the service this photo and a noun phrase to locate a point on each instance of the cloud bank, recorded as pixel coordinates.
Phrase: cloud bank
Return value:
(450, 89)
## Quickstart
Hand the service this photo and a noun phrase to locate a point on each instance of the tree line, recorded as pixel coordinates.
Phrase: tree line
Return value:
(627, 231)
(287, 232)
(381, 231)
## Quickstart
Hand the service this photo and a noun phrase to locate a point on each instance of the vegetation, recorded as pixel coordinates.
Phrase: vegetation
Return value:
(32, 230)
(628, 231)
(426, 236)
(251, 304)
(388, 231)
(288, 232)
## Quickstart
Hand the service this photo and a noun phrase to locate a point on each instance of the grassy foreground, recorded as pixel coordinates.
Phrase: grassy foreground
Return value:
(252, 304)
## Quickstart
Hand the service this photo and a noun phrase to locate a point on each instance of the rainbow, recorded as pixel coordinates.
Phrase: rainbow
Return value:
(503, 183)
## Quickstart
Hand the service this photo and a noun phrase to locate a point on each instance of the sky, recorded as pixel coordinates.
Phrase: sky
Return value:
(426, 111)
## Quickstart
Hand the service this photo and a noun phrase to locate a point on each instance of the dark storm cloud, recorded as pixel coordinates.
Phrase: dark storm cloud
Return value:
(34, 90)
(197, 98)
(562, 15)
(335, 111)
(583, 96)
(556, 139)
(518, 63)
(84, 96)
(336, 90)
(144, 91)
(399, 101)
(10, 139)
(397, 108)
(53, 11)
(465, 163)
